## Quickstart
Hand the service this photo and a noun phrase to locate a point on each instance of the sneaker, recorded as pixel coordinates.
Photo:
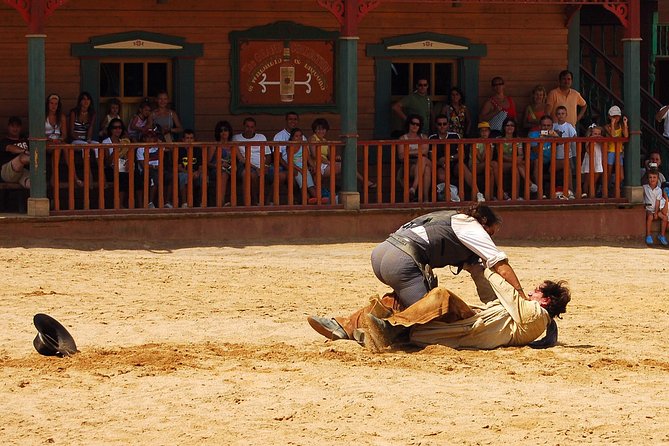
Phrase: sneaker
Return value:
(584, 195)
(479, 197)
(560, 196)
(663, 240)
(151, 205)
(506, 196)
(534, 188)
(649, 240)
(184, 206)
(327, 327)
(168, 205)
(520, 199)
(571, 195)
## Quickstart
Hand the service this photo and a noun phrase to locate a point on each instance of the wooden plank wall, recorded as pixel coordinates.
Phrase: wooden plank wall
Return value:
(527, 45)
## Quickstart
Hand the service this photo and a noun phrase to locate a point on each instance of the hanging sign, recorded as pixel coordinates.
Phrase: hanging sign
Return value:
(286, 72)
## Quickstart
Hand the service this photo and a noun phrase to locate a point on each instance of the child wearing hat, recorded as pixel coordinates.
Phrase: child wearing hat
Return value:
(617, 128)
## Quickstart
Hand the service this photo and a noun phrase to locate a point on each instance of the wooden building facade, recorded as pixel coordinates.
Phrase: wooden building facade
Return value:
(369, 53)
(186, 46)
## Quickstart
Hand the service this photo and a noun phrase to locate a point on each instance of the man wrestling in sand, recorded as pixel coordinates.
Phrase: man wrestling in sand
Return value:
(441, 317)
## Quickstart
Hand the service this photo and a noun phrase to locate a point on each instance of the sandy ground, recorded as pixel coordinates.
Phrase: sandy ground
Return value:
(210, 345)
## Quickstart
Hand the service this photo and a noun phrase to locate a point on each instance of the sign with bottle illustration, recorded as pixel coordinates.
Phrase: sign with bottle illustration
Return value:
(286, 72)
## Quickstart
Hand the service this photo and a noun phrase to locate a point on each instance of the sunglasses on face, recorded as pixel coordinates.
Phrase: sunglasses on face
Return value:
(415, 123)
(440, 124)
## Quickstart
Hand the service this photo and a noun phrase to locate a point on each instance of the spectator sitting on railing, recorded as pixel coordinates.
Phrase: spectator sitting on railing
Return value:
(565, 130)
(223, 135)
(594, 131)
(141, 123)
(656, 207)
(545, 131)
(509, 129)
(257, 155)
(292, 121)
(296, 135)
(418, 155)
(616, 128)
(117, 135)
(478, 152)
(184, 162)
(152, 140)
(15, 155)
(443, 132)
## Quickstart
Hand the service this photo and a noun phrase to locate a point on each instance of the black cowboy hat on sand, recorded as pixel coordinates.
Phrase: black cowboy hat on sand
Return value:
(52, 338)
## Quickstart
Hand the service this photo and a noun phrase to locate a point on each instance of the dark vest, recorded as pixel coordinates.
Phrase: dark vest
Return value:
(444, 247)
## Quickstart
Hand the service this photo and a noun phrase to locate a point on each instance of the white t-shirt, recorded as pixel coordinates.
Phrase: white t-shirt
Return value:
(565, 130)
(651, 196)
(473, 236)
(255, 150)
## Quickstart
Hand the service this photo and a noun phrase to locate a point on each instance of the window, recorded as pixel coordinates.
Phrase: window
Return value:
(132, 80)
(405, 74)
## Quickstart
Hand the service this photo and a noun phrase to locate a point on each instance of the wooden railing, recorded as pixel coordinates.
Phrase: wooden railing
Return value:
(382, 172)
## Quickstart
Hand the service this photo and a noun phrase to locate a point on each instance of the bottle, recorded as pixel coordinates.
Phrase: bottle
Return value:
(287, 76)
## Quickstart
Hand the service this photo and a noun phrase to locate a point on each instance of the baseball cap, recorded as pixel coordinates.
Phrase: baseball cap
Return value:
(615, 111)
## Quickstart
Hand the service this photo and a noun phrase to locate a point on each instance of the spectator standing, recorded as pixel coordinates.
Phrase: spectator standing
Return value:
(616, 128)
(595, 148)
(497, 107)
(166, 118)
(417, 103)
(458, 115)
(564, 129)
(567, 97)
(536, 109)
(141, 123)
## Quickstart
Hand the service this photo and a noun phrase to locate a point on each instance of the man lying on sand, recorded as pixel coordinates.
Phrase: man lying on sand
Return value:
(441, 317)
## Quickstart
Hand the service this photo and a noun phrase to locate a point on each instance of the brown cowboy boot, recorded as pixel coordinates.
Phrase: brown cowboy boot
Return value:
(381, 307)
(438, 304)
